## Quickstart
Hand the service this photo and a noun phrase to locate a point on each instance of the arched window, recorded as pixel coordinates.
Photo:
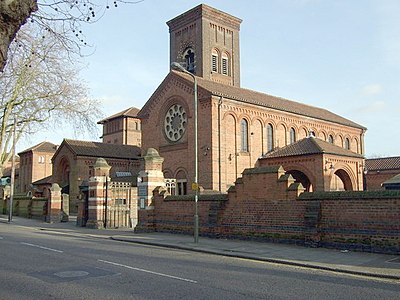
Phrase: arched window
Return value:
(188, 55)
(330, 139)
(347, 144)
(181, 183)
(292, 135)
(225, 65)
(244, 136)
(270, 137)
(214, 60)
(357, 149)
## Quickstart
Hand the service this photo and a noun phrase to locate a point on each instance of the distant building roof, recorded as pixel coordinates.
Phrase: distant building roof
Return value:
(209, 88)
(309, 146)
(104, 150)
(41, 147)
(129, 112)
(392, 183)
(393, 180)
(46, 180)
(384, 163)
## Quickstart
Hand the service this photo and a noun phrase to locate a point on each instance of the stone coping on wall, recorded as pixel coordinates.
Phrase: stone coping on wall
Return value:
(263, 170)
(350, 195)
(205, 197)
(28, 198)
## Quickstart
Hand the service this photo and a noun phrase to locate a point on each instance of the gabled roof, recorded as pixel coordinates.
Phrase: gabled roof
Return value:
(129, 112)
(310, 146)
(392, 181)
(45, 180)
(384, 163)
(104, 150)
(207, 88)
(41, 147)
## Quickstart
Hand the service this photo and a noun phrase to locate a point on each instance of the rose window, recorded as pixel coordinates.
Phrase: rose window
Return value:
(175, 122)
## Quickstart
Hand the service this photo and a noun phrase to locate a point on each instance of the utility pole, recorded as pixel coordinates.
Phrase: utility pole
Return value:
(12, 184)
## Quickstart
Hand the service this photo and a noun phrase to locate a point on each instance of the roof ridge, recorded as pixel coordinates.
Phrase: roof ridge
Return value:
(124, 112)
(303, 147)
(37, 146)
(273, 102)
(314, 139)
(382, 158)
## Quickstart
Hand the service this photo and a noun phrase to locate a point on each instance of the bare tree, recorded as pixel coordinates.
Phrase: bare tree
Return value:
(40, 87)
(62, 18)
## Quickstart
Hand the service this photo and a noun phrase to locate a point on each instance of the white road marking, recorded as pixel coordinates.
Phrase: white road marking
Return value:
(42, 247)
(147, 271)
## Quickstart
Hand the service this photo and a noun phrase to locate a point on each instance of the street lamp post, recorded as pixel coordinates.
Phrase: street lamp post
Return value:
(195, 184)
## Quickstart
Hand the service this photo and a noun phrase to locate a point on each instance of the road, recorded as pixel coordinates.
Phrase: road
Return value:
(44, 264)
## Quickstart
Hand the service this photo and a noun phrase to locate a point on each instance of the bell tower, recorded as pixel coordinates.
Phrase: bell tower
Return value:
(206, 42)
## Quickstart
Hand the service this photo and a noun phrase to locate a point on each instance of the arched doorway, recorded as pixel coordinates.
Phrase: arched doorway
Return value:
(62, 176)
(341, 181)
(302, 178)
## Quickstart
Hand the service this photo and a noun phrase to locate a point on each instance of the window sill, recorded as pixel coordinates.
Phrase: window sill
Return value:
(244, 153)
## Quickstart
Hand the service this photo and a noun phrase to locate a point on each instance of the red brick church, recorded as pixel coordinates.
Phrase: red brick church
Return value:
(237, 126)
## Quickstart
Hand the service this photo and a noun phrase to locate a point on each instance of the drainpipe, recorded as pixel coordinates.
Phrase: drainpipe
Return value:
(362, 142)
(219, 145)
(126, 131)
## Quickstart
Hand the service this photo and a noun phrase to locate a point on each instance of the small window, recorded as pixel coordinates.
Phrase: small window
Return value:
(244, 136)
(41, 160)
(270, 137)
(330, 139)
(347, 144)
(214, 63)
(292, 135)
(188, 55)
(170, 185)
(225, 64)
(182, 186)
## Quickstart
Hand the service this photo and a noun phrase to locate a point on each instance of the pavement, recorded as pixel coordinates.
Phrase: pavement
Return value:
(375, 265)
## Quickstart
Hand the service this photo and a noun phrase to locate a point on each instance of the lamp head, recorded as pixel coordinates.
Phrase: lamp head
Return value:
(178, 67)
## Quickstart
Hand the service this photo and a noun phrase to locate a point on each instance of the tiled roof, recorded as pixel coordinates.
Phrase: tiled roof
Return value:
(45, 180)
(95, 149)
(41, 147)
(393, 180)
(384, 163)
(309, 146)
(129, 112)
(273, 102)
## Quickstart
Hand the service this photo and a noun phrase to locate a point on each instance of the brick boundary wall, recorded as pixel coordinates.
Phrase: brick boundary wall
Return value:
(362, 221)
(175, 214)
(27, 207)
(267, 205)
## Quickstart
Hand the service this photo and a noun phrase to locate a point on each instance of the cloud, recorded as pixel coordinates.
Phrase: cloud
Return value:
(372, 89)
(373, 107)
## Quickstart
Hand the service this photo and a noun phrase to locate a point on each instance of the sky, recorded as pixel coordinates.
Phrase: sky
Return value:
(343, 56)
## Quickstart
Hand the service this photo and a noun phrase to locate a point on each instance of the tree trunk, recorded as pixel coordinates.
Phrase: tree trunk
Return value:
(13, 14)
